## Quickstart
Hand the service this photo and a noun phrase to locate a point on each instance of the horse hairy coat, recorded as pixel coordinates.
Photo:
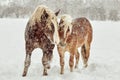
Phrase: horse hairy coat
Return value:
(41, 32)
(74, 34)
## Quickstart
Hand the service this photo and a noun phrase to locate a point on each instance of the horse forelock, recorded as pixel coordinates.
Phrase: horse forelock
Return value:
(67, 23)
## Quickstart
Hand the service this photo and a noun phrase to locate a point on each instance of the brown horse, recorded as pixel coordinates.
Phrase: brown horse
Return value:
(41, 32)
(74, 34)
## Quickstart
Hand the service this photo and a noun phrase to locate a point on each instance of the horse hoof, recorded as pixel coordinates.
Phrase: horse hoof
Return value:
(23, 75)
(71, 70)
(85, 66)
(48, 67)
(45, 74)
(61, 73)
(76, 67)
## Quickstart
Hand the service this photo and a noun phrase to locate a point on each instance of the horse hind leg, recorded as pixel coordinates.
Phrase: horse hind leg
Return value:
(85, 50)
(27, 60)
(77, 59)
(26, 64)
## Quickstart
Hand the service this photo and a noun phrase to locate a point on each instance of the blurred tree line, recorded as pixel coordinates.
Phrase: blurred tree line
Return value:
(92, 9)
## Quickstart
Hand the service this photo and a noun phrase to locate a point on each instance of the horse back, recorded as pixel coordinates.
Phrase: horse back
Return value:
(82, 28)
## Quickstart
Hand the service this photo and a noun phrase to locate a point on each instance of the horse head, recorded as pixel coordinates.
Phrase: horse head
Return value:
(47, 19)
(65, 28)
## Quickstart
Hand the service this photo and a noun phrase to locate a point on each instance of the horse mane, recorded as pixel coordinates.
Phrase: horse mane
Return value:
(67, 23)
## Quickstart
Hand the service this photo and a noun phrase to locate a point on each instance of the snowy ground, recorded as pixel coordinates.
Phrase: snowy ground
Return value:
(104, 61)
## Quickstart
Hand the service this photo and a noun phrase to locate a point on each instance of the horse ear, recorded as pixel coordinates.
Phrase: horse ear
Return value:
(56, 13)
(45, 14)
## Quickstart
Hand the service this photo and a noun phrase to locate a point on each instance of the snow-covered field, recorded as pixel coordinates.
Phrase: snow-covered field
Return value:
(104, 61)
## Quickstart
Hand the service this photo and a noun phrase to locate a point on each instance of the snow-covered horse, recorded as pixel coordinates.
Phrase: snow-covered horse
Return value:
(41, 32)
(74, 34)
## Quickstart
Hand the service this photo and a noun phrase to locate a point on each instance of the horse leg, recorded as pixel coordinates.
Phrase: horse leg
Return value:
(85, 53)
(27, 62)
(50, 55)
(71, 61)
(62, 63)
(45, 62)
(77, 59)
(87, 46)
(61, 55)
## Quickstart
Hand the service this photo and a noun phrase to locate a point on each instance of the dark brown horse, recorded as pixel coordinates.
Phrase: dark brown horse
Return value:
(74, 34)
(41, 32)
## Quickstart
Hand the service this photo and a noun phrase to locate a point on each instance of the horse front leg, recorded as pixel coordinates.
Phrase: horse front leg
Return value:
(45, 62)
(27, 62)
(47, 58)
(61, 55)
(50, 54)
(62, 63)
(71, 62)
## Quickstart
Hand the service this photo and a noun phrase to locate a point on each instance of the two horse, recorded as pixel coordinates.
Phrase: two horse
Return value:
(42, 31)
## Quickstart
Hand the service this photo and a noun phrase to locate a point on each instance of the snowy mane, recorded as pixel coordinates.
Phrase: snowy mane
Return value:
(66, 22)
